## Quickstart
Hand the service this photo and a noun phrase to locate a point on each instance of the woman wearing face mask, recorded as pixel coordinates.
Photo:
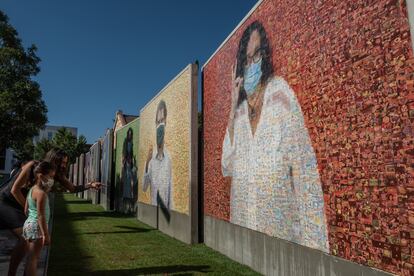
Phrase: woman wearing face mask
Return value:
(13, 197)
(157, 168)
(129, 177)
(267, 151)
(35, 229)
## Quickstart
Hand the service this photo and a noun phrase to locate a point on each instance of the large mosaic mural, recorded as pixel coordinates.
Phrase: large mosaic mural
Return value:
(165, 146)
(308, 128)
(126, 166)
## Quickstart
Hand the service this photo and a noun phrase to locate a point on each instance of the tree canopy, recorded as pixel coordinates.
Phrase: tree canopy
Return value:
(22, 110)
(64, 140)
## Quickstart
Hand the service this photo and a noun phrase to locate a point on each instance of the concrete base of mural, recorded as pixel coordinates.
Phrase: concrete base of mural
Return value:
(93, 196)
(105, 201)
(126, 206)
(177, 227)
(88, 195)
(273, 256)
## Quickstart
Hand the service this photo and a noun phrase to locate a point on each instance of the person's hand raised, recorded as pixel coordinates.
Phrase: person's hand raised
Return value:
(149, 157)
(236, 83)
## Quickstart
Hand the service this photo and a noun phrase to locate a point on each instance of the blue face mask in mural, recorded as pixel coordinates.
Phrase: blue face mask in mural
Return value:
(252, 75)
(160, 133)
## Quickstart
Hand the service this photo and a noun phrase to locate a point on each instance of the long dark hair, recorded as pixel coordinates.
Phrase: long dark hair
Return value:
(129, 138)
(44, 168)
(161, 105)
(267, 65)
(55, 156)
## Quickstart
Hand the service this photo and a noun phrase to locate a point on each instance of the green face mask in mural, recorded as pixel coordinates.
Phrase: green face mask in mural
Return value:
(160, 134)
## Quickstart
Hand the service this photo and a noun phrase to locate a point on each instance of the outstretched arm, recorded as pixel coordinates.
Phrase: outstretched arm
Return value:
(76, 189)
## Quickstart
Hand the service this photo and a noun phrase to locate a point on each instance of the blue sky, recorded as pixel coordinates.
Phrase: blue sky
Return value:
(99, 56)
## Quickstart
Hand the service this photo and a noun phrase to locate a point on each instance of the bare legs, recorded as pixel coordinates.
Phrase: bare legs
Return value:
(34, 248)
(18, 252)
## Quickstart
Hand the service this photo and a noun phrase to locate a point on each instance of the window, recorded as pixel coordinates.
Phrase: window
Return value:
(49, 136)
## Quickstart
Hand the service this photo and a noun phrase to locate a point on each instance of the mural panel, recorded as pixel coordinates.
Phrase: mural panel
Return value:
(94, 170)
(308, 128)
(106, 169)
(126, 166)
(87, 174)
(165, 146)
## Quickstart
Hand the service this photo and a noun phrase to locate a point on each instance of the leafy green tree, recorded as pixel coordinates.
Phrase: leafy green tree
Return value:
(65, 140)
(22, 110)
(25, 152)
(41, 148)
(81, 147)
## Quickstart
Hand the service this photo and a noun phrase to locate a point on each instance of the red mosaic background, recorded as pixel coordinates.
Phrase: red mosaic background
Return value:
(351, 65)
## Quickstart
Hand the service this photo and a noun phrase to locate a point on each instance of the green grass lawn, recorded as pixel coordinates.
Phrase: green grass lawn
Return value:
(87, 240)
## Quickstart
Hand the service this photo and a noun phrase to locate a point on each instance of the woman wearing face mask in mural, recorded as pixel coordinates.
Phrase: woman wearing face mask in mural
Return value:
(267, 151)
(129, 170)
(13, 197)
(157, 173)
(35, 228)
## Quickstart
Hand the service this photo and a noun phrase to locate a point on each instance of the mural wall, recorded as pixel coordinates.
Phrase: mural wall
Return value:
(71, 173)
(126, 166)
(81, 174)
(106, 170)
(94, 170)
(165, 146)
(76, 173)
(87, 174)
(308, 128)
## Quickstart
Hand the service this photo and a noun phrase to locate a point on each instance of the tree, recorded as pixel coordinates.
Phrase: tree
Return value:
(41, 148)
(65, 140)
(22, 110)
(81, 147)
(25, 152)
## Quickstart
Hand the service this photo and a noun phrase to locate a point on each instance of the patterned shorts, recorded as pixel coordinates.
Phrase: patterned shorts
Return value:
(31, 230)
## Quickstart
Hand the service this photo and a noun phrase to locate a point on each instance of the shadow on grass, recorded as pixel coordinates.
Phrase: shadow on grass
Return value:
(131, 230)
(154, 270)
(65, 252)
(84, 201)
(88, 215)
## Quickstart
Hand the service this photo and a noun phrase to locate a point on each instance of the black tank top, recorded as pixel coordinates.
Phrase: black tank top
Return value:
(5, 191)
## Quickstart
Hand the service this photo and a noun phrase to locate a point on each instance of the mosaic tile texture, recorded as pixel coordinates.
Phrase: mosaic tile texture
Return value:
(126, 166)
(350, 65)
(106, 167)
(177, 141)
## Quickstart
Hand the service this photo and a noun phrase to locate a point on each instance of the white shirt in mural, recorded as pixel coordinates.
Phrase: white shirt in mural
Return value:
(275, 185)
(159, 178)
